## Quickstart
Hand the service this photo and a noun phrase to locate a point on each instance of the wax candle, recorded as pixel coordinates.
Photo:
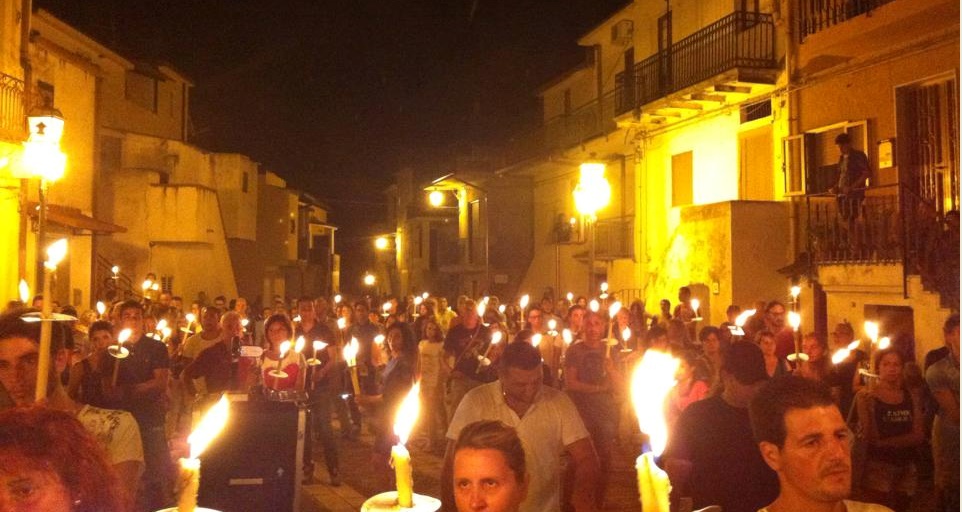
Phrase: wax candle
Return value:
(55, 254)
(188, 479)
(404, 422)
(651, 382)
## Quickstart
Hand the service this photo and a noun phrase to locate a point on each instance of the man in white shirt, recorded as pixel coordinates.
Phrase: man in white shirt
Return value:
(804, 439)
(547, 423)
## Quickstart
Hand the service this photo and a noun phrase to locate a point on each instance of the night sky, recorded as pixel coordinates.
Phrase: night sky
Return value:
(332, 95)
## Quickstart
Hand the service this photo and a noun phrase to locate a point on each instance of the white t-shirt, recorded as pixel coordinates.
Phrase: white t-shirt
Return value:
(195, 344)
(551, 424)
(855, 506)
(115, 430)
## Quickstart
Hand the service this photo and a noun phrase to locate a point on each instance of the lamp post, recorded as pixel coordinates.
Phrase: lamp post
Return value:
(592, 193)
(43, 159)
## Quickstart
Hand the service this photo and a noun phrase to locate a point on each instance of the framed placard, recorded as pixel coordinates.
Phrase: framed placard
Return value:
(886, 153)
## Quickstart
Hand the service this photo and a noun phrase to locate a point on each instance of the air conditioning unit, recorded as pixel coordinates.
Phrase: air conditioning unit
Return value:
(622, 32)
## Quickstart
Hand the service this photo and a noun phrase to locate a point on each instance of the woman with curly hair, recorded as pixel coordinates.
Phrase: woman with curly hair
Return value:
(49, 462)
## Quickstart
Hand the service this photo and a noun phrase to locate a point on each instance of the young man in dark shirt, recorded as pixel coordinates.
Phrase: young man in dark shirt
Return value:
(711, 455)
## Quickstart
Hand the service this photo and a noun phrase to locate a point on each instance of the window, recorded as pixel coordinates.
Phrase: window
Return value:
(167, 284)
(681, 179)
(811, 158)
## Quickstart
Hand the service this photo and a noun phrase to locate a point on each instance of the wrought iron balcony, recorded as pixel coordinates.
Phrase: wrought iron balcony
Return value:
(614, 238)
(742, 39)
(872, 235)
(12, 120)
(816, 15)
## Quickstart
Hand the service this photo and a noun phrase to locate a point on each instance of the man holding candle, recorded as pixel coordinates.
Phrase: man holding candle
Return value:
(711, 455)
(143, 379)
(801, 435)
(365, 331)
(547, 423)
(463, 344)
(116, 431)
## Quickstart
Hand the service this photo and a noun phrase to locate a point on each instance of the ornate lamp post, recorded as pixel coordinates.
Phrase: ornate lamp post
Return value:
(43, 159)
(592, 193)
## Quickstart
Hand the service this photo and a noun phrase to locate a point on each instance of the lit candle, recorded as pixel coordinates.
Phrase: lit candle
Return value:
(501, 308)
(350, 357)
(55, 254)
(407, 415)
(24, 290)
(651, 382)
(570, 296)
(119, 352)
(536, 340)
(795, 292)
(495, 339)
(594, 306)
(318, 345)
(612, 312)
(337, 299)
(625, 336)
(189, 478)
(278, 373)
(871, 330)
(116, 271)
(694, 308)
(740, 320)
(795, 320)
(101, 309)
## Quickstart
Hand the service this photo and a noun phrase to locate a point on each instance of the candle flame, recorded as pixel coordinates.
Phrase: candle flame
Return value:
(743, 317)
(146, 284)
(536, 340)
(341, 323)
(566, 335)
(319, 345)
(191, 318)
(884, 343)
(285, 347)
(115, 269)
(840, 355)
(524, 301)
(379, 339)
(161, 325)
(496, 337)
(613, 309)
(418, 301)
(245, 322)
(694, 305)
(350, 352)
(24, 289)
(796, 291)
(871, 330)
(166, 332)
(296, 319)
(626, 333)
(501, 308)
(56, 252)
(337, 299)
(209, 427)
(407, 414)
(299, 344)
(594, 306)
(794, 320)
(123, 336)
(101, 308)
(854, 345)
(552, 324)
(570, 296)
(604, 286)
(425, 295)
(386, 307)
(653, 379)
(482, 306)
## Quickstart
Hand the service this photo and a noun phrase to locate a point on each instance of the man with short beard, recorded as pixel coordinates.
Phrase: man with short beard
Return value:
(803, 438)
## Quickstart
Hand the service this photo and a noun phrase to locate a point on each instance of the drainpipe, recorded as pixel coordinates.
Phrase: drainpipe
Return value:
(792, 112)
(26, 11)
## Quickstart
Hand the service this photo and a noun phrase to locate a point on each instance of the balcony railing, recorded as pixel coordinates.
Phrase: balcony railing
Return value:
(12, 120)
(872, 235)
(816, 15)
(614, 238)
(742, 39)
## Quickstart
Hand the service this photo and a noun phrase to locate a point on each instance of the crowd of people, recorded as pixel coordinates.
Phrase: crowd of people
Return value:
(548, 380)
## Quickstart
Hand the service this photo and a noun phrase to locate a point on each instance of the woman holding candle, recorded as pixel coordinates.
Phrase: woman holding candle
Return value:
(819, 364)
(891, 419)
(434, 370)
(277, 330)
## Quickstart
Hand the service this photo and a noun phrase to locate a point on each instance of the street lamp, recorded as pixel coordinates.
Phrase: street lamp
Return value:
(436, 198)
(591, 194)
(43, 159)
(452, 183)
(381, 243)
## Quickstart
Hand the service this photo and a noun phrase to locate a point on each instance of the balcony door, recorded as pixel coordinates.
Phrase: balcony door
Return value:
(928, 116)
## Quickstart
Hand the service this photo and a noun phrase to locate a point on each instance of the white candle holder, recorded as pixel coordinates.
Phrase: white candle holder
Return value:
(799, 356)
(36, 316)
(118, 351)
(278, 374)
(197, 509)
(313, 361)
(388, 501)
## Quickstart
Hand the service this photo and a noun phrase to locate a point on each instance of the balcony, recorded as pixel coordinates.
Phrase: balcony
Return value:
(731, 56)
(874, 236)
(12, 115)
(817, 15)
(614, 239)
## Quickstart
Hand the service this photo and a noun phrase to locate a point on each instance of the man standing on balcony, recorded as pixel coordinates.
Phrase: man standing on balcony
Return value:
(853, 170)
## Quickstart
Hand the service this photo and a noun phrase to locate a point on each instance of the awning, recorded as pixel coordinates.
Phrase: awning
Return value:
(74, 219)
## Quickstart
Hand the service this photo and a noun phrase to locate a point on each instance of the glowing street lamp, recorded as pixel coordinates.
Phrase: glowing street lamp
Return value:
(436, 198)
(592, 193)
(381, 243)
(369, 280)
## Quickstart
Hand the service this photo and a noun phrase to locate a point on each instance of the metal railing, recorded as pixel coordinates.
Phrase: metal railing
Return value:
(866, 233)
(931, 247)
(817, 15)
(614, 238)
(108, 287)
(743, 39)
(12, 114)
